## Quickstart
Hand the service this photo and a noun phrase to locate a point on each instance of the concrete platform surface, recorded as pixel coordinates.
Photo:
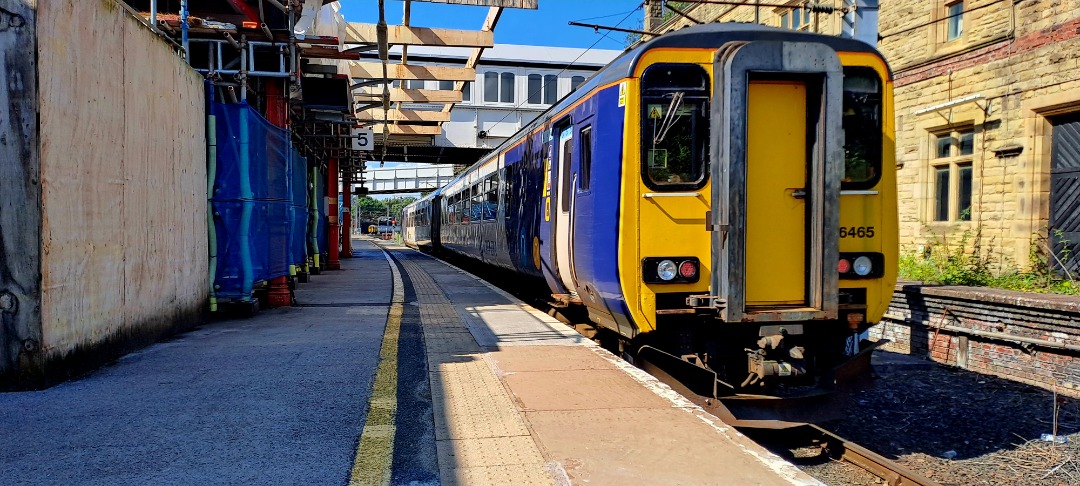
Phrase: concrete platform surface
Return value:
(399, 369)
(521, 398)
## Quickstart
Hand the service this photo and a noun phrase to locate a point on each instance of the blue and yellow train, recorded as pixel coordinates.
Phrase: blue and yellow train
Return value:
(724, 192)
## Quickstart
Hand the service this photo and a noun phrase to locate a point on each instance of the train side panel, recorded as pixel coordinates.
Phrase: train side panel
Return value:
(599, 132)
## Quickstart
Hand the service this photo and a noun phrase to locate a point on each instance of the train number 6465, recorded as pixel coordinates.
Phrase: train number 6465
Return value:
(857, 232)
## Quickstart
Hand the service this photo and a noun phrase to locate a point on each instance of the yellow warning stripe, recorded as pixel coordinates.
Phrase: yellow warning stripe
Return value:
(375, 451)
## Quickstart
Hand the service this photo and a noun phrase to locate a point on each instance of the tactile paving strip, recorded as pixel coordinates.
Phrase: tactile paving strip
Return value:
(516, 474)
(480, 434)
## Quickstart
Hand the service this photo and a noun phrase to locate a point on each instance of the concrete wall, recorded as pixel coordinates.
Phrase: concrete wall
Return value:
(1023, 59)
(123, 255)
(917, 319)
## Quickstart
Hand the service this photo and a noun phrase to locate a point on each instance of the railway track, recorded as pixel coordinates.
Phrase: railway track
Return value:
(836, 448)
(831, 445)
(787, 437)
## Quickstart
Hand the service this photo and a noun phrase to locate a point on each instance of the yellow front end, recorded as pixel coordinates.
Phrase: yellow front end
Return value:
(654, 224)
(659, 223)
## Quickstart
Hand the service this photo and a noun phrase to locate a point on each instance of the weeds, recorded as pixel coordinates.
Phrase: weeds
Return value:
(967, 261)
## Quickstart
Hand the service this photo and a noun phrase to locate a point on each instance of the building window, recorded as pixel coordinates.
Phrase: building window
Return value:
(498, 87)
(576, 81)
(795, 18)
(466, 91)
(952, 170)
(491, 87)
(446, 85)
(586, 159)
(551, 89)
(543, 89)
(954, 20)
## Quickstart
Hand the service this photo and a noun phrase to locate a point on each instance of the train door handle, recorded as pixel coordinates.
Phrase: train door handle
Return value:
(798, 193)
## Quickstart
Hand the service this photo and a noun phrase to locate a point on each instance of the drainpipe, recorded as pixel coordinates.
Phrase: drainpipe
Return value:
(211, 181)
(153, 16)
(247, 205)
(333, 227)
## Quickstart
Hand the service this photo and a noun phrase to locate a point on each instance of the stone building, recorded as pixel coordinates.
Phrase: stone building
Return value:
(987, 100)
(987, 96)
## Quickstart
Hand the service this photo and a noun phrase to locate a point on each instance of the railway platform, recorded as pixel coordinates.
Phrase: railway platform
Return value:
(401, 370)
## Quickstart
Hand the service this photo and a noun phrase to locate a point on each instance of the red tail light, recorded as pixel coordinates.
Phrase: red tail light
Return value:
(688, 270)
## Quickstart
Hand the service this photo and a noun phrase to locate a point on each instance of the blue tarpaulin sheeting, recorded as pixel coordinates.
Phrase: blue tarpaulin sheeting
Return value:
(259, 201)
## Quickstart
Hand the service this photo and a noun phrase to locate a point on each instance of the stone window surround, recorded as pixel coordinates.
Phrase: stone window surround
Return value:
(969, 115)
(952, 162)
(786, 13)
(948, 20)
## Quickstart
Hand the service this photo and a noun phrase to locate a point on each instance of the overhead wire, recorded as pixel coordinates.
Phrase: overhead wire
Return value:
(603, 36)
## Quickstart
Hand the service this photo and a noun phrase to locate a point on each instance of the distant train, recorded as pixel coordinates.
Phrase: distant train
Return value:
(724, 192)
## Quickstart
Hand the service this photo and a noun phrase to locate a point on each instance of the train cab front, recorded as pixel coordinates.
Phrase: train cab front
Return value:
(766, 216)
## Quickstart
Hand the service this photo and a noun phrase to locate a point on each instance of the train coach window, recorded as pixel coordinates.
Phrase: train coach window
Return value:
(585, 159)
(491, 197)
(477, 210)
(675, 126)
(862, 128)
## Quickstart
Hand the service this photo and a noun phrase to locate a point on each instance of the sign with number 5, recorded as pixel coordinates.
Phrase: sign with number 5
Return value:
(363, 139)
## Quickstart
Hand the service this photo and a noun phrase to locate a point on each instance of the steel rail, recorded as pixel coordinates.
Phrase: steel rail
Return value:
(894, 474)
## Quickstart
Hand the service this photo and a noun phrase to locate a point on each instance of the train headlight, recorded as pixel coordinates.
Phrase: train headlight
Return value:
(666, 270)
(863, 266)
(670, 269)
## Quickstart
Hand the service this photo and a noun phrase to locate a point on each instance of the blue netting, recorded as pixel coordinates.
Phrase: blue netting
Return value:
(267, 155)
(261, 213)
(298, 231)
(298, 177)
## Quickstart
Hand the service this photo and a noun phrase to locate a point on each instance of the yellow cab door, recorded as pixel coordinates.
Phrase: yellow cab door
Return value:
(776, 162)
(775, 194)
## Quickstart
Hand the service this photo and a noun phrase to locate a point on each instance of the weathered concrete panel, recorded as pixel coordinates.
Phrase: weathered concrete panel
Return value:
(20, 193)
(120, 222)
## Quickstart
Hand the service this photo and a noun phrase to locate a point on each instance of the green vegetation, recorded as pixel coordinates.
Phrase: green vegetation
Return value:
(967, 261)
(367, 208)
(682, 6)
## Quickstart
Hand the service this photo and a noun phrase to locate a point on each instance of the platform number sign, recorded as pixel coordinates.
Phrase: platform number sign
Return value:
(363, 139)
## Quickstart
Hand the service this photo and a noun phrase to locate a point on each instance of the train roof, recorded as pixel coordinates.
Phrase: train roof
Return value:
(699, 36)
(718, 34)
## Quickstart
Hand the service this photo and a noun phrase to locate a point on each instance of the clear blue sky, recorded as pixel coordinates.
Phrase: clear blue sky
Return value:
(546, 26)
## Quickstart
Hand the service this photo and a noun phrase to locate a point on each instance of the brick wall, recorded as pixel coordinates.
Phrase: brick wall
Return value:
(915, 319)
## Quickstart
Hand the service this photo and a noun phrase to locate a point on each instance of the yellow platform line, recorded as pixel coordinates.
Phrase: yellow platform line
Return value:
(375, 450)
